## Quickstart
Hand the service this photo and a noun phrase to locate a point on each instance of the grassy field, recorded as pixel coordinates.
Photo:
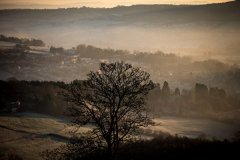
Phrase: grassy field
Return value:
(28, 134)
(195, 127)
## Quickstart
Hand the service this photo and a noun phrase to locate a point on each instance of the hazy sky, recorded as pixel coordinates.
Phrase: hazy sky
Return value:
(92, 3)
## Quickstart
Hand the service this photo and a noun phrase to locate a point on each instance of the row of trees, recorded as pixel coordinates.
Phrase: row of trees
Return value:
(202, 92)
(23, 41)
(200, 100)
(55, 50)
(32, 96)
(199, 92)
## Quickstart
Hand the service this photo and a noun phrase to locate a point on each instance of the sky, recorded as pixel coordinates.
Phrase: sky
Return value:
(10, 4)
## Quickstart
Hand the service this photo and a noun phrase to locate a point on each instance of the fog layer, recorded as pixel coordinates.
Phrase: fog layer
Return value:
(186, 30)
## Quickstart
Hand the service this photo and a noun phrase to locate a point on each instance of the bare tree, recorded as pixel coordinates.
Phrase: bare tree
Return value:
(113, 100)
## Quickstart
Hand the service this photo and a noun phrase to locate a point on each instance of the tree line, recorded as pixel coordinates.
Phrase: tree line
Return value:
(23, 41)
(45, 97)
(198, 101)
(33, 96)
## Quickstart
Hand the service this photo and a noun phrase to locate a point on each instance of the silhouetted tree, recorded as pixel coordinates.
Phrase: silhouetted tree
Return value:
(113, 100)
(165, 90)
(201, 91)
(177, 92)
(218, 93)
(153, 98)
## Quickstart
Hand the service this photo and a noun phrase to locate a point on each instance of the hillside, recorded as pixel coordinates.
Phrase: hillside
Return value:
(159, 15)
(184, 29)
(58, 64)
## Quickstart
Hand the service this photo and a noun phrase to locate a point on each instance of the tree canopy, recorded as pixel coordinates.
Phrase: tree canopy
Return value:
(113, 100)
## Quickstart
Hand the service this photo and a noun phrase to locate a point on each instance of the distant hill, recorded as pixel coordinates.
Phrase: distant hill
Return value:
(209, 14)
(185, 29)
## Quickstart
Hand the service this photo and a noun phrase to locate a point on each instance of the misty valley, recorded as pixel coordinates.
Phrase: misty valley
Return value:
(129, 82)
(190, 98)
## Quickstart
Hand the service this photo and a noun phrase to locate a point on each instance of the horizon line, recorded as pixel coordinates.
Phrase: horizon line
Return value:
(111, 7)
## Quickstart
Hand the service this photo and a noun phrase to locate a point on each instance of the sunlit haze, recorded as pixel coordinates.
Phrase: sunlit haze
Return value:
(119, 79)
(8, 4)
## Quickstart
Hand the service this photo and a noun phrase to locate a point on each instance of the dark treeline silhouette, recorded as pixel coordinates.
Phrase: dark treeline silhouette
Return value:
(89, 51)
(24, 41)
(18, 49)
(45, 97)
(55, 50)
(199, 101)
(34, 96)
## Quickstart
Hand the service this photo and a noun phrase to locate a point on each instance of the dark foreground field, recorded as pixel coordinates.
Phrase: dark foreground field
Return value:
(181, 148)
(161, 147)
